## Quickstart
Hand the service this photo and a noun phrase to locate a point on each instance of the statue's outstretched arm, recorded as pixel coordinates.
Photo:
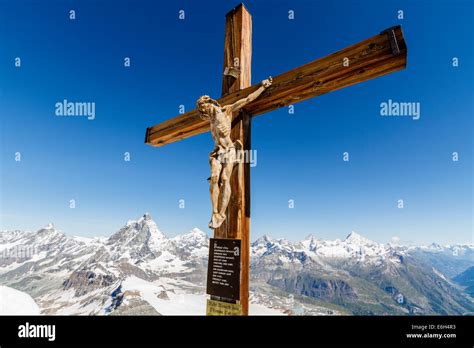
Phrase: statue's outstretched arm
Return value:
(239, 104)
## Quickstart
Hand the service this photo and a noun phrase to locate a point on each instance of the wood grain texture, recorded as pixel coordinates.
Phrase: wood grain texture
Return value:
(237, 49)
(238, 211)
(237, 54)
(238, 44)
(368, 59)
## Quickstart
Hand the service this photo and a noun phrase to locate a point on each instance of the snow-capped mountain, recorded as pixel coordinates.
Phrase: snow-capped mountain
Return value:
(353, 247)
(137, 241)
(71, 275)
(138, 270)
(451, 260)
(359, 276)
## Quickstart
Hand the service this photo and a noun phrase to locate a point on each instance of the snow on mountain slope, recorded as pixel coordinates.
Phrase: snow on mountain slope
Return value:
(454, 250)
(166, 296)
(74, 275)
(15, 302)
(195, 242)
(354, 247)
(138, 270)
(363, 276)
(137, 240)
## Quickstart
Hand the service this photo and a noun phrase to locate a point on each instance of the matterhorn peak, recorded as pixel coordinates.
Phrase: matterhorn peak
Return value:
(144, 219)
(138, 233)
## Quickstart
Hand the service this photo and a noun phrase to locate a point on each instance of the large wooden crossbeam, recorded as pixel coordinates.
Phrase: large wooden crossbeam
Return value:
(374, 57)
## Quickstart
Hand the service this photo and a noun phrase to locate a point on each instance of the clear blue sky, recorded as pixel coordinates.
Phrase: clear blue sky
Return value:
(299, 156)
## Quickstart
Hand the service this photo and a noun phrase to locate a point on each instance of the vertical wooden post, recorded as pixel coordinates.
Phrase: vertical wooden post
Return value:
(237, 49)
(237, 75)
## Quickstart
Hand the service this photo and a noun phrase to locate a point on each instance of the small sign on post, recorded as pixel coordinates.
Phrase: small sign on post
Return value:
(223, 273)
(223, 308)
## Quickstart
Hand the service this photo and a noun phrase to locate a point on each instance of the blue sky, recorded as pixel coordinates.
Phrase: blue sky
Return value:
(299, 156)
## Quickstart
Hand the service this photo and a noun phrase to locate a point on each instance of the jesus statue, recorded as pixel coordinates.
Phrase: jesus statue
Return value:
(225, 154)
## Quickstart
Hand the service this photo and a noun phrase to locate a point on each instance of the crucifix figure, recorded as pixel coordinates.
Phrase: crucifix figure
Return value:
(378, 55)
(226, 153)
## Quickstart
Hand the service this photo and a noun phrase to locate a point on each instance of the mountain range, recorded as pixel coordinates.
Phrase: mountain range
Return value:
(139, 271)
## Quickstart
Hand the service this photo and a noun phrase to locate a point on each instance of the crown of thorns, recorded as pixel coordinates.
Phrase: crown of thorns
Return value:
(206, 99)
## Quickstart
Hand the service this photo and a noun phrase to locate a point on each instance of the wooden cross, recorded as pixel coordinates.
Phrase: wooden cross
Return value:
(379, 55)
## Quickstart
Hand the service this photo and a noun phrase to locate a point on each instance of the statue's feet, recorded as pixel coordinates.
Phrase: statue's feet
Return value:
(216, 220)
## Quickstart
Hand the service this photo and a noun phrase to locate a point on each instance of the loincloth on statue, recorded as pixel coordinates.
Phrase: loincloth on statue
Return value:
(229, 154)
